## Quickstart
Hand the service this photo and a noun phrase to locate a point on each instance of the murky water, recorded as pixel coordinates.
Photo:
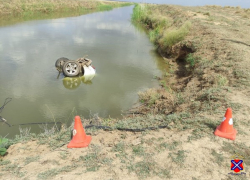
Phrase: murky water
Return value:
(122, 54)
(125, 60)
(242, 3)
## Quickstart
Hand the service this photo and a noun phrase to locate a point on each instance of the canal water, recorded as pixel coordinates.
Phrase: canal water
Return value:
(122, 54)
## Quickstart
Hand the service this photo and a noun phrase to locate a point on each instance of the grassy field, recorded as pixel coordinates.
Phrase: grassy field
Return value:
(204, 68)
(207, 49)
(32, 7)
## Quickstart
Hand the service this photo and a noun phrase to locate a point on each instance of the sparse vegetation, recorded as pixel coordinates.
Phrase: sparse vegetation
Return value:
(172, 37)
(218, 157)
(191, 60)
(31, 159)
(139, 150)
(221, 80)
(238, 148)
(55, 171)
(13, 168)
(3, 146)
(29, 7)
(178, 157)
(207, 14)
(171, 41)
(214, 76)
(163, 32)
(149, 96)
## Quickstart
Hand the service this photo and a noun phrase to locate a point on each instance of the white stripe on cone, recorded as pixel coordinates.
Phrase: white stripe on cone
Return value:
(231, 121)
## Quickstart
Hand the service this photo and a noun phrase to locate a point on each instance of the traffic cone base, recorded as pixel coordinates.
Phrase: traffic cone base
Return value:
(85, 143)
(231, 135)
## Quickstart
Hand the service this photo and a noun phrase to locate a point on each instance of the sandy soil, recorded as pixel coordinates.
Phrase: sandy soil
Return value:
(164, 153)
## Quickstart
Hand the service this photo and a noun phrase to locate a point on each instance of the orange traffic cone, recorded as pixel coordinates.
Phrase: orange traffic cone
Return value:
(80, 139)
(225, 129)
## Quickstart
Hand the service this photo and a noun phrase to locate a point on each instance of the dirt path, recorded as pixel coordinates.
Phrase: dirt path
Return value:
(187, 149)
(115, 155)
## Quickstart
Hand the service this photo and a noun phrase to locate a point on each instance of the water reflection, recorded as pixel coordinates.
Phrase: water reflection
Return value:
(14, 19)
(72, 83)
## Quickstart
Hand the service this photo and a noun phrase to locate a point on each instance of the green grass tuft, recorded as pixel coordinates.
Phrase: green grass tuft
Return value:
(171, 37)
(139, 12)
(178, 157)
(162, 31)
(191, 60)
(104, 7)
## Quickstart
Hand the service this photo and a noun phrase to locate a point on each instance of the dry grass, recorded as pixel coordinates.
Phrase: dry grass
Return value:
(20, 7)
(202, 69)
(164, 31)
(150, 96)
(172, 37)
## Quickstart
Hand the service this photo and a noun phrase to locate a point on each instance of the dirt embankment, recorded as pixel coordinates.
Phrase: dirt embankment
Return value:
(209, 71)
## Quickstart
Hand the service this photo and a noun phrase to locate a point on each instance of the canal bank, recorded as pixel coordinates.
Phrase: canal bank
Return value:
(28, 8)
(15, 11)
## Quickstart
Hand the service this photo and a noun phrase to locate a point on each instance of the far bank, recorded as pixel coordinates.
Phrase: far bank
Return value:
(15, 10)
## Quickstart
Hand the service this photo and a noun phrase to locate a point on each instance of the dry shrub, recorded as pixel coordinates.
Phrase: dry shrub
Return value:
(182, 49)
(221, 80)
(149, 96)
(159, 100)
(213, 78)
(245, 15)
(171, 37)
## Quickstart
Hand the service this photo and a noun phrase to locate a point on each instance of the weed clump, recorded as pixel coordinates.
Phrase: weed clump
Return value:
(174, 36)
(140, 12)
(160, 100)
(163, 32)
(3, 146)
(191, 60)
(150, 96)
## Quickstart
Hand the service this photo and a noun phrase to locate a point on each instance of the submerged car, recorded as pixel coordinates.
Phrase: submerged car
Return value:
(71, 68)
